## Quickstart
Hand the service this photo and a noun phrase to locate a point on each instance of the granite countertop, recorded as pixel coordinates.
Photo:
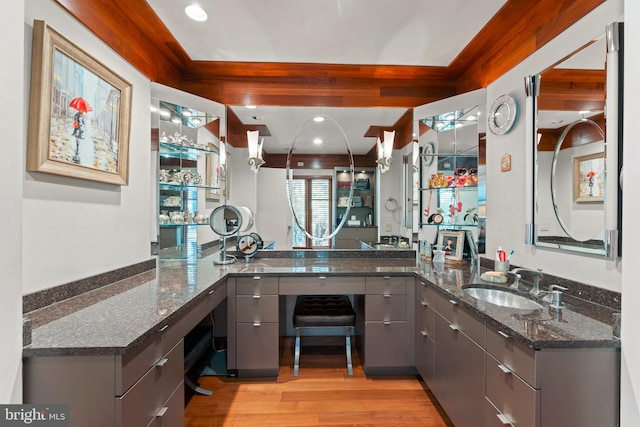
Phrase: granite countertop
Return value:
(118, 317)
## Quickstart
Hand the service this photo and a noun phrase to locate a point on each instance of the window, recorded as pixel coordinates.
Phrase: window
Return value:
(312, 203)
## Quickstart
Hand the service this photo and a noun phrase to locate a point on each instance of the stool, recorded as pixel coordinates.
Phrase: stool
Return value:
(323, 311)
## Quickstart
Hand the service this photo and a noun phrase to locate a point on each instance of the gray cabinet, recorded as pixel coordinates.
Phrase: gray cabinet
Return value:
(458, 381)
(257, 326)
(389, 320)
(350, 237)
(425, 331)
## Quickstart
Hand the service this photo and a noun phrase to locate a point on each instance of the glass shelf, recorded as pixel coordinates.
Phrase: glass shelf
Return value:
(178, 149)
(182, 225)
(445, 225)
(451, 187)
(178, 187)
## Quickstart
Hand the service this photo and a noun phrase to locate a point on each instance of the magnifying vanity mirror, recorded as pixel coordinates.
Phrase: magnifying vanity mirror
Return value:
(225, 220)
(576, 106)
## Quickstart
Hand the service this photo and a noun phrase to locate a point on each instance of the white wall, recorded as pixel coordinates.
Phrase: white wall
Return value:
(75, 228)
(630, 405)
(273, 218)
(11, 110)
(507, 195)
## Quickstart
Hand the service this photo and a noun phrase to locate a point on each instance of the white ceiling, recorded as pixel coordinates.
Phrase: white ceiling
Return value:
(382, 32)
(385, 32)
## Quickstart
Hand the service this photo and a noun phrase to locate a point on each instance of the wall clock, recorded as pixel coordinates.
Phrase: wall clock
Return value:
(428, 151)
(502, 114)
(248, 245)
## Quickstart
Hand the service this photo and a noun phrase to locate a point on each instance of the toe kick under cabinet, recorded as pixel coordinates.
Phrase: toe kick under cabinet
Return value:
(478, 371)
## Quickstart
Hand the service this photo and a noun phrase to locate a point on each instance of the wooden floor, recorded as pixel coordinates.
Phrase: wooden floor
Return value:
(322, 395)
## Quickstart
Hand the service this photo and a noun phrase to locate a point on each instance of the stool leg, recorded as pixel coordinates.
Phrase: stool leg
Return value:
(296, 362)
(348, 345)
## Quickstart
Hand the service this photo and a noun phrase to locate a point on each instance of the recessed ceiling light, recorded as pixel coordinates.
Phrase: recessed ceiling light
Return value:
(196, 13)
(196, 121)
(175, 119)
(186, 113)
(317, 141)
(318, 119)
(584, 112)
(471, 117)
(165, 113)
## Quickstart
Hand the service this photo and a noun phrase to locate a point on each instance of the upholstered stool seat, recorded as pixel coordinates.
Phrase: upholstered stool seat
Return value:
(323, 311)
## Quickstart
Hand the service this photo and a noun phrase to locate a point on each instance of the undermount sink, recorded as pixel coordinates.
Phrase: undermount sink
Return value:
(501, 297)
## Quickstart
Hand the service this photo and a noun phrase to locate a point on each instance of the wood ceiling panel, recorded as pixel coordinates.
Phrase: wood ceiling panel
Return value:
(133, 30)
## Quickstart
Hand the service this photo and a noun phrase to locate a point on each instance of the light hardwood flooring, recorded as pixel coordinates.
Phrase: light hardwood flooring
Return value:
(322, 395)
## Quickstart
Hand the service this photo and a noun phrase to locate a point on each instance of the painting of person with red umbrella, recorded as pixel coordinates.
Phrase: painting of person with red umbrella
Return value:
(82, 106)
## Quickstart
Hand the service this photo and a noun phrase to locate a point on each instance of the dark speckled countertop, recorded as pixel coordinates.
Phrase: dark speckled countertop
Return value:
(118, 317)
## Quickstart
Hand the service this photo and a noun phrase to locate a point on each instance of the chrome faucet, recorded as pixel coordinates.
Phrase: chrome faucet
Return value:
(554, 295)
(536, 274)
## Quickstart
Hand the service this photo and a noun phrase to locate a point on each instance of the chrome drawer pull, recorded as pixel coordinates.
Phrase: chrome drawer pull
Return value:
(162, 362)
(387, 295)
(256, 324)
(454, 302)
(211, 291)
(454, 327)
(503, 419)
(322, 277)
(423, 302)
(386, 277)
(423, 284)
(164, 328)
(256, 277)
(504, 369)
(386, 322)
(424, 334)
(162, 411)
(504, 334)
(256, 297)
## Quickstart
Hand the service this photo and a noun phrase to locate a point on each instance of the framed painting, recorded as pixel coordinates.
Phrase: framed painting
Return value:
(213, 174)
(452, 244)
(79, 112)
(588, 178)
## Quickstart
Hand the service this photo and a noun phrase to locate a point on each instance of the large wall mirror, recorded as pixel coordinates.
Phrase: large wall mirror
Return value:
(576, 145)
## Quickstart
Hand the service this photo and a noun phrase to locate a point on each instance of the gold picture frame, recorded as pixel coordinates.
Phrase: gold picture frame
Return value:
(588, 178)
(79, 112)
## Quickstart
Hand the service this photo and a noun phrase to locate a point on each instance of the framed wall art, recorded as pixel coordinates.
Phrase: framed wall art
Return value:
(588, 178)
(213, 174)
(79, 112)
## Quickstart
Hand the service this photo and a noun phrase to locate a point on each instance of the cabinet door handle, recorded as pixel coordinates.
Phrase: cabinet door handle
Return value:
(256, 324)
(423, 302)
(322, 277)
(423, 284)
(386, 277)
(504, 368)
(256, 297)
(164, 328)
(211, 291)
(504, 334)
(424, 334)
(454, 302)
(503, 419)
(162, 411)
(454, 327)
(387, 295)
(386, 322)
(256, 277)
(162, 362)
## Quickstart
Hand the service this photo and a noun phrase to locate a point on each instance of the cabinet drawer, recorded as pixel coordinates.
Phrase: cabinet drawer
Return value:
(258, 347)
(322, 285)
(425, 352)
(256, 285)
(515, 399)
(172, 413)
(256, 308)
(385, 307)
(146, 398)
(131, 366)
(513, 354)
(460, 318)
(424, 292)
(386, 285)
(212, 298)
(425, 319)
(385, 345)
(493, 417)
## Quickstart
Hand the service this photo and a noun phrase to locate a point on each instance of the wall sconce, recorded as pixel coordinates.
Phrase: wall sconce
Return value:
(223, 154)
(384, 151)
(255, 150)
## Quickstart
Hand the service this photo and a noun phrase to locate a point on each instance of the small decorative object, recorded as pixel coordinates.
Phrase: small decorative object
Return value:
(470, 216)
(163, 218)
(163, 137)
(199, 218)
(505, 162)
(502, 114)
(588, 178)
(438, 254)
(163, 175)
(452, 244)
(440, 180)
(428, 154)
(177, 218)
(172, 201)
(433, 180)
(436, 218)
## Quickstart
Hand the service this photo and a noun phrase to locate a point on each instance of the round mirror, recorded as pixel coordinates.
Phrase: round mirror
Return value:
(225, 220)
(577, 182)
(248, 218)
(319, 135)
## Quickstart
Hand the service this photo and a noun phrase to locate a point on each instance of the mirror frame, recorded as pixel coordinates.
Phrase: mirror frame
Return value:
(613, 148)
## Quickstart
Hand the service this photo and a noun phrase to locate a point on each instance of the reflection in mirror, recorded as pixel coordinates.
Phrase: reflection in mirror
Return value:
(575, 207)
(225, 220)
(313, 132)
(449, 175)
